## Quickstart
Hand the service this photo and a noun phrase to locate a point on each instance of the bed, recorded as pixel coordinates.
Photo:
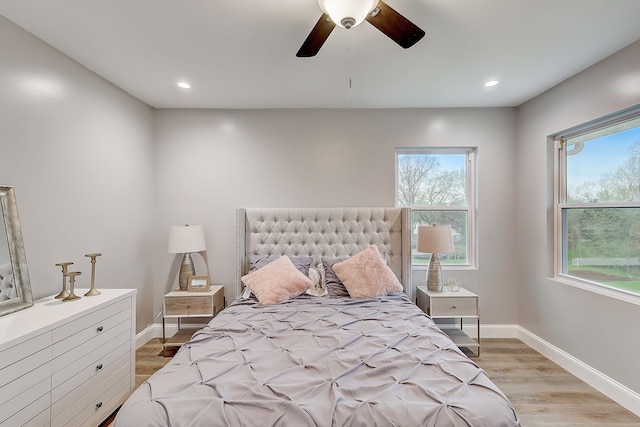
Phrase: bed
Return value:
(318, 357)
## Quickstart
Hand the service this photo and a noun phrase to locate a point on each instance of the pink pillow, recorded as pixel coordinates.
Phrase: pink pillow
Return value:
(366, 275)
(277, 281)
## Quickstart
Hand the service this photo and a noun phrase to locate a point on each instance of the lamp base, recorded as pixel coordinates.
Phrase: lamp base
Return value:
(186, 269)
(434, 274)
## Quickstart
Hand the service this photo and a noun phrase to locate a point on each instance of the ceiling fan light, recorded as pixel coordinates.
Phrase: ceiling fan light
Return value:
(347, 13)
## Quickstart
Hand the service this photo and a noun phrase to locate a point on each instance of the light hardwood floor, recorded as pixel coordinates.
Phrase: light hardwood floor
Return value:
(543, 394)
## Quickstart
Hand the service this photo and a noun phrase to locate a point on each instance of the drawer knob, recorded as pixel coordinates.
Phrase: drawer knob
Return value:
(454, 306)
(100, 328)
(99, 405)
(99, 367)
(188, 305)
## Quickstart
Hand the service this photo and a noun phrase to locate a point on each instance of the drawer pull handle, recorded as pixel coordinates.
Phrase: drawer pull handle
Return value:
(99, 405)
(453, 306)
(100, 328)
(188, 305)
(99, 367)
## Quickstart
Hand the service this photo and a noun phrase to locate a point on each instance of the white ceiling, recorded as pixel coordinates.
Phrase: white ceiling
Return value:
(241, 53)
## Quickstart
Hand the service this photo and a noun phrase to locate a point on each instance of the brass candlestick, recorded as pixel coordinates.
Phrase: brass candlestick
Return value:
(93, 290)
(72, 280)
(64, 293)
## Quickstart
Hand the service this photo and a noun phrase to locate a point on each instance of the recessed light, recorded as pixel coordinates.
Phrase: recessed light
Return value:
(491, 83)
(184, 85)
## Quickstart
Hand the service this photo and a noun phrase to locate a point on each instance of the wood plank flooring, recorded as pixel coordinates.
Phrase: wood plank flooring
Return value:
(543, 394)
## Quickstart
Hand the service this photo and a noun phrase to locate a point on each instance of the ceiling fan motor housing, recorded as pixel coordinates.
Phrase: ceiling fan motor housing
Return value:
(348, 22)
(347, 13)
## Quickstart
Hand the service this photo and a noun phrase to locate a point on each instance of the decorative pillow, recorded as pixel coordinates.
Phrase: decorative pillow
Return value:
(335, 287)
(366, 275)
(277, 281)
(302, 263)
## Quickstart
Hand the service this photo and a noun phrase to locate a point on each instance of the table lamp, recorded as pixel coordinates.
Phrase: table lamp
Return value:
(186, 240)
(435, 239)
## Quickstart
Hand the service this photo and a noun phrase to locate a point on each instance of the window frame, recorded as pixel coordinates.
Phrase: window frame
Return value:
(561, 206)
(471, 192)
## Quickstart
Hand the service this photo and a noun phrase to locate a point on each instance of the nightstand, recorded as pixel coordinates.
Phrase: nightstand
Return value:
(462, 305)
(183, 304)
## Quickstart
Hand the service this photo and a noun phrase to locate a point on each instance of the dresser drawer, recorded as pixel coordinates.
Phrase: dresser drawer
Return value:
(76, 359)
(22, 399)
(40, 420)
(95, 402)
(16, 353)
(24, 365)
(28, 363)
(87, 328)
(453, 307)
(31, 415)
(111, 400)
(24, 382)
(92, 367)
(189, 306)
(80, 324)
(65, 399)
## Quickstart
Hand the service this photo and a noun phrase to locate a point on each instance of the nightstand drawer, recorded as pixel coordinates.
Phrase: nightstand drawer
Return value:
(182, 304)
(454, 307)
(189, 305)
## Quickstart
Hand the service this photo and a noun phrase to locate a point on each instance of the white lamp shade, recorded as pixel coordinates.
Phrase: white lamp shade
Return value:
(340, 9)
(435, 239)
(186, 239)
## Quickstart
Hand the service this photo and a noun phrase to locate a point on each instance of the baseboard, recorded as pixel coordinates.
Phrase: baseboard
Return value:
(492, 331)
(145, 335)
(596, 379)
(601, 382)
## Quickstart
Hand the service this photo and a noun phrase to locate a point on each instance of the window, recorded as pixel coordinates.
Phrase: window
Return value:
(597, 203)
(438, 184)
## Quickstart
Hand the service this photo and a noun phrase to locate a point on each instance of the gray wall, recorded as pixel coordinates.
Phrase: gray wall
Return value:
(599, 330)
(214, 161)
(79, 153)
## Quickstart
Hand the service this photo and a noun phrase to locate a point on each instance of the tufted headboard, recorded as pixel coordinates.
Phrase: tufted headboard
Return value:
(325, 232)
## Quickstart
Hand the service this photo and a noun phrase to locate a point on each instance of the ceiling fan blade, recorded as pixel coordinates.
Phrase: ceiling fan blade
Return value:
(395, 26)
(316, 37)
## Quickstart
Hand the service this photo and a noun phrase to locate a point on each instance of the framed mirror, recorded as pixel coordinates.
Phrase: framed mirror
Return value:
(15, 287)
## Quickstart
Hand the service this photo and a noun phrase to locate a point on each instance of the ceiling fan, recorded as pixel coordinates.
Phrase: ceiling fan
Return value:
(349, 13)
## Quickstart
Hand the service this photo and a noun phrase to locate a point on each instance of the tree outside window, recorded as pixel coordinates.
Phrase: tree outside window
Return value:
(438, 184)
(598, 204)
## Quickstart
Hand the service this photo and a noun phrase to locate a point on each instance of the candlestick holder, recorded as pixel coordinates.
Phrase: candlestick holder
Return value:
(93, 290)
(72, 280)
(64, 293)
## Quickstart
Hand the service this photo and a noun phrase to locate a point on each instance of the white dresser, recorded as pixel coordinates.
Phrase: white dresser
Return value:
(67, 363)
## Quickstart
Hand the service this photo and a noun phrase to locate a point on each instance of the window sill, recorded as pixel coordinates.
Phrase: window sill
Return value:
(607, 291)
